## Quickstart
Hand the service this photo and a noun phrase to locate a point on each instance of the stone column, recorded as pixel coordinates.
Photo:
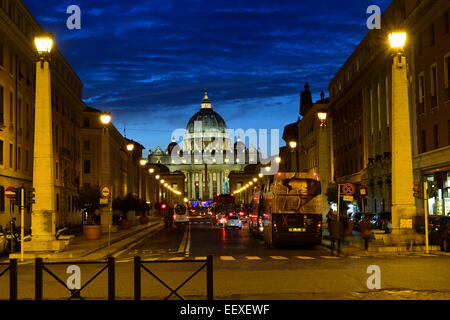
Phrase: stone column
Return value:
(193, 192)
(219, 175)
(210, 185)
(200, 186)
(403, 209)
(43, 218)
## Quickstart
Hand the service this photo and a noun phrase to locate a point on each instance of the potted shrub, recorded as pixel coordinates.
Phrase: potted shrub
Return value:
(89, 200)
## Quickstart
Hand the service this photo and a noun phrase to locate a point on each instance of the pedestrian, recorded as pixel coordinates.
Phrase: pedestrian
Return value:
(365, 227)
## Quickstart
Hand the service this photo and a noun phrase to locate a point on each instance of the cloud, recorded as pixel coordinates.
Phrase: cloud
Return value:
(149, 61)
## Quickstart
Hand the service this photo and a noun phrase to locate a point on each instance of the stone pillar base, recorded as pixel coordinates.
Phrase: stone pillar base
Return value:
(43, 246)
(404, 238)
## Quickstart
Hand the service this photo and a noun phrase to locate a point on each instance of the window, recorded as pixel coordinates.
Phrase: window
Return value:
(11, 155)
(11, 63)
(421, 93)
(436, 137)
(447, 72)
(19, 156)
(27, 160)
(446, 22)
(434, 80)
(2, 61)
(87, 166)
(432, 35)
(19, 114)
(1, 152)
(87, 145)
(57, 171)
(11, 108)
(2, 107)
(86, 123)
(2, 199)
(57, 202)
(423, 142)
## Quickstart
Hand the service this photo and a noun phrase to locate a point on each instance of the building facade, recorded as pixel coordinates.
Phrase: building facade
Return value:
(18, 58)
(206, 157)
(361, 100)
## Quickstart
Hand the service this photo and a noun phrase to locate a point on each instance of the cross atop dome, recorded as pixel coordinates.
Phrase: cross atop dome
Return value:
(206, 104)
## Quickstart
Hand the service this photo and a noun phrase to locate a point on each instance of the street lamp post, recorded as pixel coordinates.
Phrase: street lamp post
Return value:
(403, 205)
(293, 146)
(105, 172)
(324, 159)
(43, 218)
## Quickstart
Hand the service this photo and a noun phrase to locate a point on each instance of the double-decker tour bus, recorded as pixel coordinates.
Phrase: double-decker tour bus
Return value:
(288, 210)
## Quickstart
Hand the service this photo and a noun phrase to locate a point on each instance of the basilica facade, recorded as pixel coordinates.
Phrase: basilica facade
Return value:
(206, 155)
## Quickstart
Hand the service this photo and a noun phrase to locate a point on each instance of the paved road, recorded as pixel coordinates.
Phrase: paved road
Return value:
(245, 269)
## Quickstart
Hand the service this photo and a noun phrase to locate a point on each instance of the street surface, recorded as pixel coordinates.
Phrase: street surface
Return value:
(245, 269)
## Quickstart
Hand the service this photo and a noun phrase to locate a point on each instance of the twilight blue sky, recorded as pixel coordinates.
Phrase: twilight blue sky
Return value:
(149, 61)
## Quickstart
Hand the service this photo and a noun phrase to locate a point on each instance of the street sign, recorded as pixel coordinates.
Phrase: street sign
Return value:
(10, 192)
(348, 189)
(348, 198)
(105, 191)
(103, 201)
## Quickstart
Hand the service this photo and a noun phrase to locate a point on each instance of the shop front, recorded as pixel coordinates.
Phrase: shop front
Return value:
(438, 191)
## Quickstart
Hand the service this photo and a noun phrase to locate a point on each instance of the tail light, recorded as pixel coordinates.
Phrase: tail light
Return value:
(275, 225)
(319, 225)
(174, 217)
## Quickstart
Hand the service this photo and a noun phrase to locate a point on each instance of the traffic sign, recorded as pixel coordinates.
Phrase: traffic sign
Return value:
(10, 192)
(105, 191)
(348, 189)
(348, 198)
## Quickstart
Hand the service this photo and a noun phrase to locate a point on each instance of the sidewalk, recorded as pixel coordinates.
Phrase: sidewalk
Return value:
(80, 248)
(354, 245)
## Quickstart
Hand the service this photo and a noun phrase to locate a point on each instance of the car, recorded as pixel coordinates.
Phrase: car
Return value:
(243, 216)
(381, 221)
(233, 222)
(370, 216)
(356, 217)
(221, 219)
(180, 216)
(439, 232)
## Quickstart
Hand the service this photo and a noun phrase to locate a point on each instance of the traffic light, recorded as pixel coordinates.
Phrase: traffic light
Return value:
(31, 196)
(17, 197)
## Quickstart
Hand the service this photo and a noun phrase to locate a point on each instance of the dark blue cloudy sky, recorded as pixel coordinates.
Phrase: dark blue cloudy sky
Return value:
(149, 61)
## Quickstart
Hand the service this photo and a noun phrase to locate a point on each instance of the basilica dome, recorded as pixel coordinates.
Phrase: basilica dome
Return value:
(210, 120)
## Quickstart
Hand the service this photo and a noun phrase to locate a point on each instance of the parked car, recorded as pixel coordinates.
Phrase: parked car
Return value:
(233, 222)
(221, 219)
(381, 221)
(356, 218)
(370, 215)
(439, 232)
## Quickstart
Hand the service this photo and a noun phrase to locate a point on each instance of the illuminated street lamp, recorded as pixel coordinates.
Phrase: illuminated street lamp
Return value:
(260, 175)
(130, 147)
(293, 144)
(397, 40)
(255, 179)
(151, 170)
(322, 115)
(143, 162)
(105, 118)
(277, 159)
(157, 177)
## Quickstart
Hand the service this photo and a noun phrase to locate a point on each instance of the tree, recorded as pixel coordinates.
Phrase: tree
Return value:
(89, 200)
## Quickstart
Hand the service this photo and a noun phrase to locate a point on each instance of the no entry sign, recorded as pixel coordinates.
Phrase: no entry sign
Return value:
(348, 189)
(105, 191)
(10, 192)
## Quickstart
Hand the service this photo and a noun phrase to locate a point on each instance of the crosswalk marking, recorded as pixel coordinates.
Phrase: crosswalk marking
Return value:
(278, 258)
(329, 257)
(227, 258)
(305, 258)
(354, 257)
(253, 258)
(200, 258)
(176, 259)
